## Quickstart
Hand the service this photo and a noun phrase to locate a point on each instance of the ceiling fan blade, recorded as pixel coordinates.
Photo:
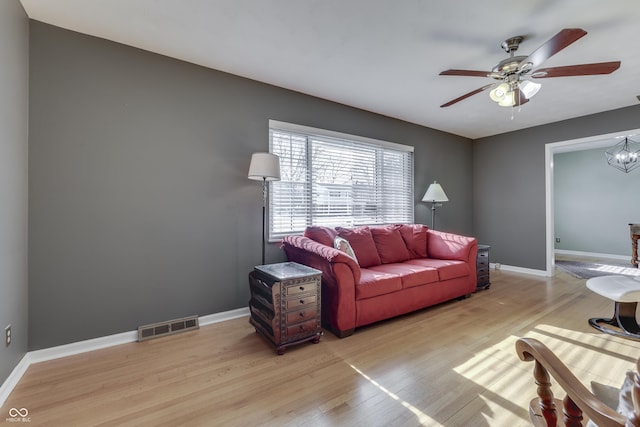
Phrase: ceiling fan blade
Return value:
(577, 70)
(467, 95)
(470, 73)
(558, 42)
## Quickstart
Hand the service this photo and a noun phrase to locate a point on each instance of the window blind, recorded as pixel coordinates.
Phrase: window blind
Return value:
(337, 181)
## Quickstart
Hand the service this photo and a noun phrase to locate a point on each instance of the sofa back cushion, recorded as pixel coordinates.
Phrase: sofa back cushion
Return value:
(389, 243)
(324, 235)
(361, 241)
(415, 238)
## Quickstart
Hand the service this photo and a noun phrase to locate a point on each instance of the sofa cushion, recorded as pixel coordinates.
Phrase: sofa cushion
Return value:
(415, 239)
(363, 245)
(447, 269)
(410, 274)
(390, 244)
(376, 281)
(324, 235)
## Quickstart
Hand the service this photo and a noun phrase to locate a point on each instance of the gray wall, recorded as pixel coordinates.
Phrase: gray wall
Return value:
(14, 122)
(594, 203)
(140, 206)
(509, 184)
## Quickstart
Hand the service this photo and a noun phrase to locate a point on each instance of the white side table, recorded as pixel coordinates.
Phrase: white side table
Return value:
(625, 292)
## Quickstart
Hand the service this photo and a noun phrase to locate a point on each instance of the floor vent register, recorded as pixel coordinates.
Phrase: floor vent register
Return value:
(170, 327)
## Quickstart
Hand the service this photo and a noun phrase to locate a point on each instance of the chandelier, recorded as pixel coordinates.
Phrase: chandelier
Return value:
(625, 155)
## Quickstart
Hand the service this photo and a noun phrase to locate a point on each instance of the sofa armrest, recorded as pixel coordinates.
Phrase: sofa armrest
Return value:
(340, 274)
(298, 249)
(443, 245)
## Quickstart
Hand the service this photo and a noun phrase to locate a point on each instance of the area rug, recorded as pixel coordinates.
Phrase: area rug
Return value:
(587, 270)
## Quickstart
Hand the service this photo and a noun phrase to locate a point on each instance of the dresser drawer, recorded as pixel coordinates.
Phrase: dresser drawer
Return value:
(301, 288)
(301, 315)
(299, 302)
(302, 328)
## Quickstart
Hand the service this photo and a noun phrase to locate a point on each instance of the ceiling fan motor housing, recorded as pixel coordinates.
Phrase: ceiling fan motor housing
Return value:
(508, 66)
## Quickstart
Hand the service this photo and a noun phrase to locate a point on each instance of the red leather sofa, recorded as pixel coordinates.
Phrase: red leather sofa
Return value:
(393, 270)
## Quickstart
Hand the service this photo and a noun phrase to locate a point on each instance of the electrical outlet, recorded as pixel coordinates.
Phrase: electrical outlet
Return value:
(7, 335)
(557, 240)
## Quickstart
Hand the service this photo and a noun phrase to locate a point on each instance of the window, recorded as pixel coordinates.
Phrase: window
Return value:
(335, 179)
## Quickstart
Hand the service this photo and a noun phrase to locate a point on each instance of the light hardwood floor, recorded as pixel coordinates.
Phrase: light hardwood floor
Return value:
(450, 365)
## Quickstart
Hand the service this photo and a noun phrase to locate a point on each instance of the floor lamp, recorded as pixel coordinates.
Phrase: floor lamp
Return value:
(264, 167)
(436, 195)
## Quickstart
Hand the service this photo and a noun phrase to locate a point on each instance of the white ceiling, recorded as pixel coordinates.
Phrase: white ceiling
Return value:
(382, 55)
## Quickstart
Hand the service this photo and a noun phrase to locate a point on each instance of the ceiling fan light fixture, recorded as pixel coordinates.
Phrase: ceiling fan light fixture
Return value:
(529, 88)
(498, 93)
(503, 95)
(509, 99)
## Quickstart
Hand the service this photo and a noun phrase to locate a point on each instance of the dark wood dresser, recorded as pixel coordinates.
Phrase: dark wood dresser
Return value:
(482, 267)
(285, 303)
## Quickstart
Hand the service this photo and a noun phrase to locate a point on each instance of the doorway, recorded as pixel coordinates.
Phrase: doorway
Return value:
(598, 141)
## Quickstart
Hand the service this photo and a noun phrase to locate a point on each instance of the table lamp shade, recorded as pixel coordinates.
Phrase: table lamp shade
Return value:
(264, 166)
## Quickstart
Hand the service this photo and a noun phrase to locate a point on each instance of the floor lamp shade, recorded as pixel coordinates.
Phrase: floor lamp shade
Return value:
(264, 167)
(435, 194)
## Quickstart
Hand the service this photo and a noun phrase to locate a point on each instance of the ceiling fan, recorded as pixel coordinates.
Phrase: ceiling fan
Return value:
(512, 88)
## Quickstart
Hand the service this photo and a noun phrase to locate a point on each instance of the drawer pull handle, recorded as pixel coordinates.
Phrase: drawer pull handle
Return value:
(301, 301)
(301, 328)
(301, 314)
(302, 288)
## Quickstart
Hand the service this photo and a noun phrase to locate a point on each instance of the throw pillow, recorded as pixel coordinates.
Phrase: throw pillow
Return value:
(390, 245)
(606, 394)
(343, 245)
(625, 397)
(625, 400)
(415, 238)
(363, 245)
(324, 235)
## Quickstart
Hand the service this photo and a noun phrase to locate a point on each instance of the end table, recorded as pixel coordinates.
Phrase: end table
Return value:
(285, 303)
(482, 267)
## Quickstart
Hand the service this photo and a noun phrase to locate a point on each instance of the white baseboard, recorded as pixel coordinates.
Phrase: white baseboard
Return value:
(592, 254)
(71, 349)
(14, 378)
(519, 269)
(225, 315)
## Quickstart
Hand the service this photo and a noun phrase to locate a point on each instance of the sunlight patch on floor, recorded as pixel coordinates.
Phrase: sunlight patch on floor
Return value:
(423, 418)
(617, 269)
